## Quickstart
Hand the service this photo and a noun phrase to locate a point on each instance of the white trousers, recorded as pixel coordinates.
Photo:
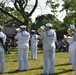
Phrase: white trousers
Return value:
(71, 53)
(22, 58)
(34, 50)
(2, 61)
(49, 56)
(74, 56)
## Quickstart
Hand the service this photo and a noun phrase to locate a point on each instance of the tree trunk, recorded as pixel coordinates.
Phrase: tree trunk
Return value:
(26, 23)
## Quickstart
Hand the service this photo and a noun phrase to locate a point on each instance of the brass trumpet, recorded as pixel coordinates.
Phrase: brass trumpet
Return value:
(17, 30)
(70, 31)
(41, 29)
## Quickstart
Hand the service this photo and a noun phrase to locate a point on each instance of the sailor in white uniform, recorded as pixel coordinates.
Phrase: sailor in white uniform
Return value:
(2, 61)
(49, 38)
(34, 43)
(70, 51)
(73, 48)
(69, 40)
(74, 53)
(23, 46)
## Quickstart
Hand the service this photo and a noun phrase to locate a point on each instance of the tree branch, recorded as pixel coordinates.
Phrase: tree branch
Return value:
(33, 8)
(16, 6)
(25, 4)
(19, 7)
(5, 12)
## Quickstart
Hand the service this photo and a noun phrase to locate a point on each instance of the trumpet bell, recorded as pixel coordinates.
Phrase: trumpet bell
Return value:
(70, 31)
(16, 31)
(39, 30)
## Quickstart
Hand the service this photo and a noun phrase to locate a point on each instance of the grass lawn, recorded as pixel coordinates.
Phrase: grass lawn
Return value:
(36, 66)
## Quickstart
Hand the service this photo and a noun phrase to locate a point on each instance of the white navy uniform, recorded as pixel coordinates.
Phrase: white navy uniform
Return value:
(49, 38)
(70, 51)
(74, 52)
(23, 47)
(73, 48)
(2, 61)
(34, 43)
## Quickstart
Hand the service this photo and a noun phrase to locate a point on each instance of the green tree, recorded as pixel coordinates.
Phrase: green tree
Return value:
(24, 9)
(70, 7)
(42, 20)
(48, 18)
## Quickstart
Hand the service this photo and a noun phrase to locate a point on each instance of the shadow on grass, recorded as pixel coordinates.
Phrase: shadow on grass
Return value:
(64, 71)
(36, 68)
(63, 64)
(57, 73)
(15, 71)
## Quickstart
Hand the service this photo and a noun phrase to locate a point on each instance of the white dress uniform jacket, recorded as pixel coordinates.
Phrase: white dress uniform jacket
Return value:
(49, 38)
(23, 47)
(2, 61)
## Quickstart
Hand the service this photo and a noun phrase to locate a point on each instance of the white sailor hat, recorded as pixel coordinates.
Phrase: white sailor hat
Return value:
(23, 26)
(32, 30)
(42, 27)
(72, 26)
(17, 29)
(48, 25)
(1, 27)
